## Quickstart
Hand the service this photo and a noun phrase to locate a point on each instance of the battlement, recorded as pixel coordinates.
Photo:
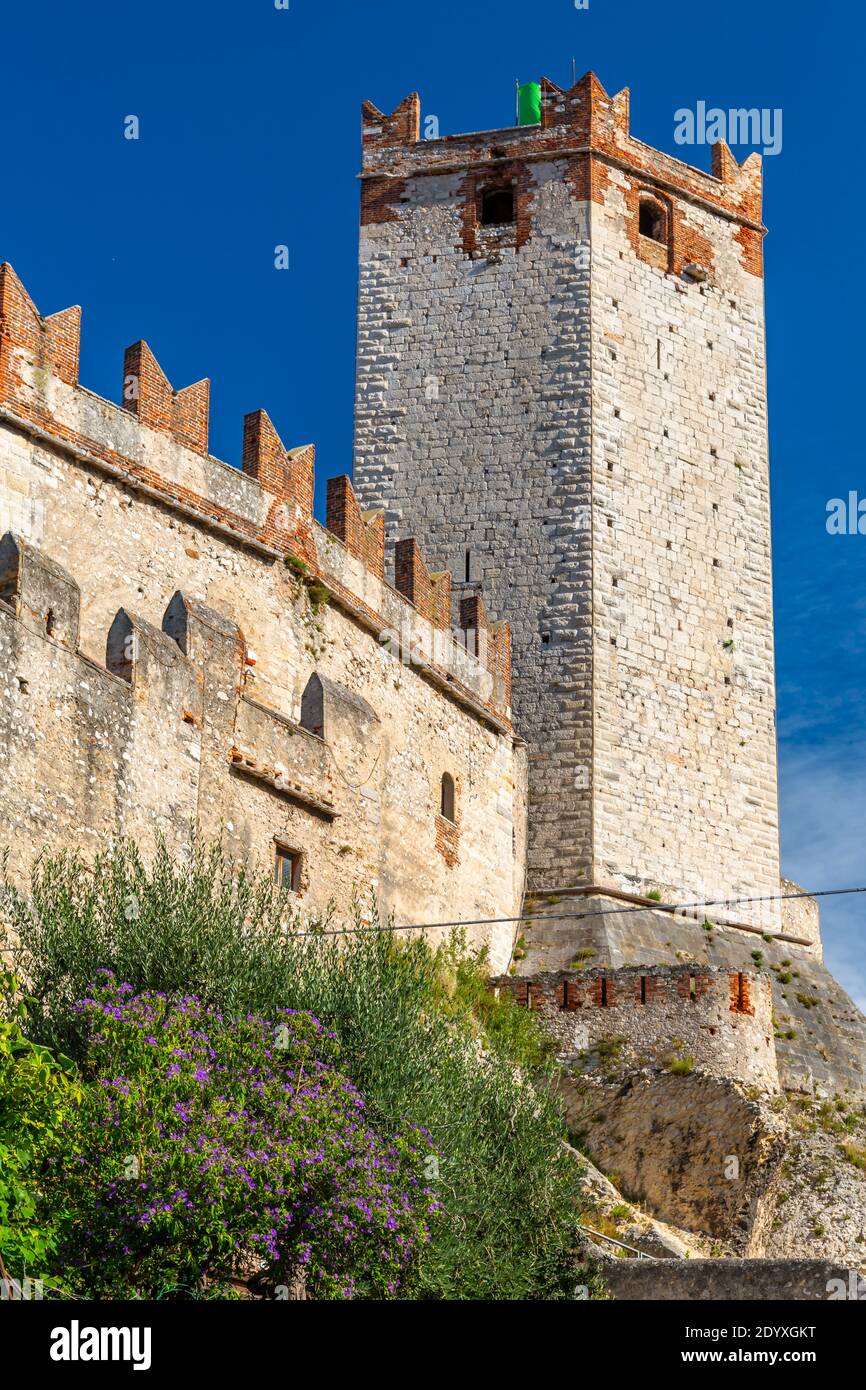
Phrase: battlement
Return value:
(156, 442)
(582, 125)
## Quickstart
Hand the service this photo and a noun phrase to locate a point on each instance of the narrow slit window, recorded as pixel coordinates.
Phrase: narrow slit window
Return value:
(604, 993)
(643, 989)
(446, 798)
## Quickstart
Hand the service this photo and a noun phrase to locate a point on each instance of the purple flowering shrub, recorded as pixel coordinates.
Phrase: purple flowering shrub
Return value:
(209, 1147)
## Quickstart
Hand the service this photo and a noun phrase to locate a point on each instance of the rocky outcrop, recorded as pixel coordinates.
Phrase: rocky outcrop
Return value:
(821, 1197)
(700, 1152)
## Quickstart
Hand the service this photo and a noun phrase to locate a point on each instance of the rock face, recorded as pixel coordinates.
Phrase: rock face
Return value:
(609, 1219)
(821, 1194)
(698, 1151)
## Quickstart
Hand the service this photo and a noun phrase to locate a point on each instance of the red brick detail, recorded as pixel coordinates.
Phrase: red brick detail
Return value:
(52, 343)
(381, 200)
(521, 992)
(289, 476)
(362, 533)
(402, 127)
(602, 992)
(489, 642)
(285, 473)
(703, 984)
(148, 394)
(475, 623)
(448, 841)
(591, 130)
(192, 416)
(683, 244)
(740, 989)
(723, 163)
(580, 108)
(477, 182)
(651, 988)
(429, 592)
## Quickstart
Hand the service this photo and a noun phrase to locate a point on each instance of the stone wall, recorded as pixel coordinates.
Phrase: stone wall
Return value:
(575, 414)
(820, 1035)
(760, 1281)
(669, 1081)
(718, 1021)
(161, 615)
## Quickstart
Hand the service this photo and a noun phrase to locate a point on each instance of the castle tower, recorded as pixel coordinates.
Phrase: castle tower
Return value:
(561, 392)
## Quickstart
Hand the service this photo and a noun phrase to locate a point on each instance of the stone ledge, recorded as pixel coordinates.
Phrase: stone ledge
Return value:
(720, 1280)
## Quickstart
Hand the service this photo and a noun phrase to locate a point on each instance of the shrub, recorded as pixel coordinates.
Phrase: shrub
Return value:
(422, 1039)
(36, 1093)
(681, 1066)
(211, 1147)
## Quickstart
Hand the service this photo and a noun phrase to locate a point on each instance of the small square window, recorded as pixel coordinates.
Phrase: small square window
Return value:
(497, 207)
(287, 868)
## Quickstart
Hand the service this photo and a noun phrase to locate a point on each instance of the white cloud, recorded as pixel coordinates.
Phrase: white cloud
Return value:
(823, 805)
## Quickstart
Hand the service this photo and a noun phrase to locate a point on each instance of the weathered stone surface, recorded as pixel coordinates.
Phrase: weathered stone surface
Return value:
(161, 617)
(701, 1152)
(554, 408)
(738, 1280)
(651, 1015)
(819, 1034)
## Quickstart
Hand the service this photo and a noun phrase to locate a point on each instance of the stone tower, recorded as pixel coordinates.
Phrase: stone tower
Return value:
(561, 392)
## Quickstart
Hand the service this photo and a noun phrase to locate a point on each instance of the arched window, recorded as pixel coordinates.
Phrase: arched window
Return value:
(653, 220)
(497, 207)
(446, 807)
(313, 707)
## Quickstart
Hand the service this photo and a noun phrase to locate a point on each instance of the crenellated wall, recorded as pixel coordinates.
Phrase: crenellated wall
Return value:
(161, 615)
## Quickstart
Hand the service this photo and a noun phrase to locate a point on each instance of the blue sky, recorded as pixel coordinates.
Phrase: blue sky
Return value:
(249, 137)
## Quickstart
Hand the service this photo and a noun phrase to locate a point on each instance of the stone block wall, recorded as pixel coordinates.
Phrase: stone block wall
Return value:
(574, 413)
